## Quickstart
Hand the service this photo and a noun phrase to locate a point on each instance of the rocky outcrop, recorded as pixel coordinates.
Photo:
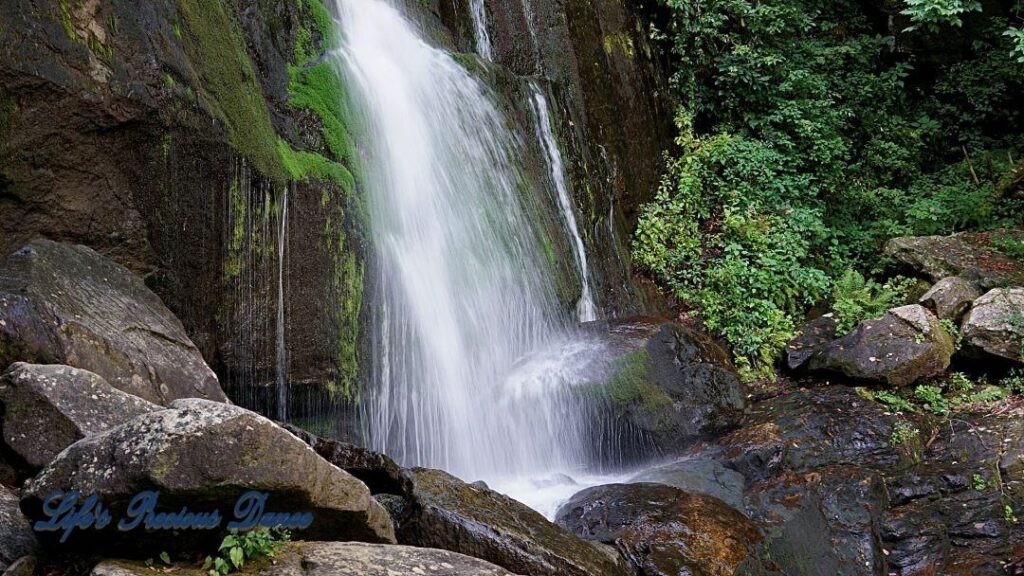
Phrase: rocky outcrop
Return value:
(700, 475)
(663, 530)
(995, 324)
(16, 537)
(950, 298)
(379, 472)
(347, 559)
(444, 512)
(48, 408)
(906, 345)
(204, 455)
(63, 304)
(970, 256)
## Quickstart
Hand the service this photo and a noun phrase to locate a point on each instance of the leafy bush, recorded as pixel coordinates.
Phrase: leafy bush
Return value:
(806, 139)
(932, 398)
(855, 299)
(903, 433)
(237, 549)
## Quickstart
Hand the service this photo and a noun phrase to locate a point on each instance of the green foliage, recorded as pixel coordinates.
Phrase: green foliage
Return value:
(978, 482)
(855, 299)
(891, 400)
(1014, 381)
(953, 330)
(903, 433)
(807, 139)
(1016, 36)
(932, 399)
(1008, 514)
(237, 549)
(959, 382)
(988, 395)
(934, 14)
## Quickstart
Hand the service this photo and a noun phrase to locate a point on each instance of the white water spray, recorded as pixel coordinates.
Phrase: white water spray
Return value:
(586, 311)
(464, 290)
(282, 351)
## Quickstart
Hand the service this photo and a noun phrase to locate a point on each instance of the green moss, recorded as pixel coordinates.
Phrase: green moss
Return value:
(227, 83)
(619, 42)
(66, 9)
(302, 166)
(349, 282)
(319, 89)
(629, 385)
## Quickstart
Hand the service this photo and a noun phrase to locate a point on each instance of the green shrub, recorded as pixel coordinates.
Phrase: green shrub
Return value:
(237, 549)
(806, 139)
(903, 433)
(855, 299)
(932, 399)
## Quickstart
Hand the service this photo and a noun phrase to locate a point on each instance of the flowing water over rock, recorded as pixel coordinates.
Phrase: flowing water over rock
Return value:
(465, 289)
(478, 12)
(585, 309)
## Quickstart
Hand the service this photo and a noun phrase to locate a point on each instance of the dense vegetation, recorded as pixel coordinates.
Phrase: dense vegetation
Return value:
(810, 132)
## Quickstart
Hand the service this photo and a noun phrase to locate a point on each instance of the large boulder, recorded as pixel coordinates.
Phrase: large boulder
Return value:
(63, 304)
(447, 513)
(345, 559)
(677, 386)
(813, 336)
(698, 474)
(950, 298)
(968, 255)
(905, 345)
(995, 324)
(16, 537)
(662, 530)
(204, 455)
(48, 408)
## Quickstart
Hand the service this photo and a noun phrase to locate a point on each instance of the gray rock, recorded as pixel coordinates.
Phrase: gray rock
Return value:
(62, 304)
(995, 324)
(950, 298)
(16, 537)
(966, 255)
(378, 471)
(48, 408)
(449, 514)
(346, 559)
(698, 475)
(906, 345)
(814, 336)
(204, 455)
(24, 566)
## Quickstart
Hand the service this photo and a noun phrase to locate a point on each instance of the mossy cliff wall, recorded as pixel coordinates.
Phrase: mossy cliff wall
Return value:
(164, 134)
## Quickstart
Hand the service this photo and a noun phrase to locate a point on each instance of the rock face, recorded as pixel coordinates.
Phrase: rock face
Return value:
(995, 324)
(699, 475)
(950, 298)
(48, 408)
(16, 537)
(348, 559)
(677, 387)
(968, 255)
(62, 304)
(900, 348)
(663, 530)
(204, 455)
(447, 513)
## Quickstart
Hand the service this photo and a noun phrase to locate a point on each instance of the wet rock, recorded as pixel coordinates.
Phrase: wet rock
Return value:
(950, 298)
(995, 324)
(204, 455)
(676, 386)
(662, 530)
(63, 304)
(16, 537)
(810, 429)
(379, 472)
(699, 475)
(48, 408)
(814, 336)
(346, 559)
(821, 522)
(449, 514)
(967, 255)
(906, 345)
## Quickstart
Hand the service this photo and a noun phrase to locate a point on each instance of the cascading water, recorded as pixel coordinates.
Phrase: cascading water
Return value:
(282, 351)
(478, 13)
(586, 311)
(464, 288)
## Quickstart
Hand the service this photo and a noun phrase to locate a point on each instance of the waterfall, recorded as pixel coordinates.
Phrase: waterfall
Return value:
(586, 311)
(472, 350)
(282, 351)
(478, 13)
